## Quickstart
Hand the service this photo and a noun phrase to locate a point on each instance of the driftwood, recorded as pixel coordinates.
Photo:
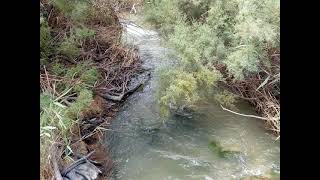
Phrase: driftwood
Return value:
(124, 94)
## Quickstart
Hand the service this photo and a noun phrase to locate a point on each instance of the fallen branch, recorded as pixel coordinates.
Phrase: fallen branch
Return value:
(245, 115)
(112, 98)
(124, 94)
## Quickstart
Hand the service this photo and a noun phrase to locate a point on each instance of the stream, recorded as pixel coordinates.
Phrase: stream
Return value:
(211, 144)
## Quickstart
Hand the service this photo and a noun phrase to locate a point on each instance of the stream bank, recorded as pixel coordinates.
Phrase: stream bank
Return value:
(85, 75)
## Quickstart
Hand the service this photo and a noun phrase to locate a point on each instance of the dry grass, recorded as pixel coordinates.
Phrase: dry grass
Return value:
(123, 5)
(262, 90)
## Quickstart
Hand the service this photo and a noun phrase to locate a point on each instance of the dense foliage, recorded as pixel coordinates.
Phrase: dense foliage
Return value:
(234, 42)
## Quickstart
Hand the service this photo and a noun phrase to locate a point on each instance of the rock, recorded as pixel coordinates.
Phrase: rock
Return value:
(222, 151)
(85, 171)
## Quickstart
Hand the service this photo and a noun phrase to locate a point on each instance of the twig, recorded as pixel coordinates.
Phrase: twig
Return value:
(121, 96)
(245, 115)
(45, 71)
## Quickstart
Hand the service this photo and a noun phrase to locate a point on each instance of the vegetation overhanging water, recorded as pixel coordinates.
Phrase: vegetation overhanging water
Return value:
(209, 144)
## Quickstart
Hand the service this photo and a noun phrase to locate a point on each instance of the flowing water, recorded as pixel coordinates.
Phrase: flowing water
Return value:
(185, 148)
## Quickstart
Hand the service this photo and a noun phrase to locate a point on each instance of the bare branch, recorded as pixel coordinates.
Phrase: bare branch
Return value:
(245, 115)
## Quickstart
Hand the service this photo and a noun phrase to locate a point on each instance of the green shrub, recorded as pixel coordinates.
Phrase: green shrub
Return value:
(58, 69)
(87, 75)
(83, 101)
(65, 6)
(80, 11)
(77, 70)
(82, 33)
(179, 88)
(45, 39)
(205, 33)
(163, 14)
(194, 10)
(244, 59)
(69, 48)
(225, 98)
(90, 76)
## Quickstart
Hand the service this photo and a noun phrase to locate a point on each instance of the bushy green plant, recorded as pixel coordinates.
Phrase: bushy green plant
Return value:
(45, 39)
(90, 76)
(83, 101)
(58, 69)
(87, 75)
(194, 9)
(77, 10)
(77, 70)
(244, 59)
(179, 88)
(65, 6)
(80, 11)
(225, 98)
(163, 14)
(235, 33)
(69, 48)
(82, 33)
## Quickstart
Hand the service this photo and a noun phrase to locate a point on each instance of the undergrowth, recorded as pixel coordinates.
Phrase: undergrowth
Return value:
(73, 35)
